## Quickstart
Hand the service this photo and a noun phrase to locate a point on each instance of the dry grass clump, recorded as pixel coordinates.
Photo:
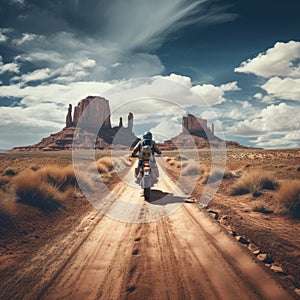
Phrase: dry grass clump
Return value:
(254, 180)
(59, 177)
(32, 190)
(220, 174)
(35, 167)
(6, 220)
(9, 172)
(45, 187)
(4, 181)
(190, 169)
(107, 162)
(174, 163)
(181, 157)
(288, 197)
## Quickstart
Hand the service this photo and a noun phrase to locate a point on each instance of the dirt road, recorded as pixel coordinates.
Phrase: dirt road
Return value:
(183, 256)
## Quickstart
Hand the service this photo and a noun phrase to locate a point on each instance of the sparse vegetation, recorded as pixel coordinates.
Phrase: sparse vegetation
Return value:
(61, 178)
(288, 197)
(10, 172)
(32, 190)
(190, 169)
(107, 162)
(260, 206)
(254, 180)
(181, 157)
(220, 174)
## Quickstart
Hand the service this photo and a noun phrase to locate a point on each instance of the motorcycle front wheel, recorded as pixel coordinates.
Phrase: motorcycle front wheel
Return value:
(147, 193)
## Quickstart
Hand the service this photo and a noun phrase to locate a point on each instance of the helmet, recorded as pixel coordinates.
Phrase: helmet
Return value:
(147, 135)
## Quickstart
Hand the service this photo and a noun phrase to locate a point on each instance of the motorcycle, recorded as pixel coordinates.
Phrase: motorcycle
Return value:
(146, 175)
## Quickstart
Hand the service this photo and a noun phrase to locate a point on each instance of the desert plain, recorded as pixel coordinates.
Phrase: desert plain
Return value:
(244, 243)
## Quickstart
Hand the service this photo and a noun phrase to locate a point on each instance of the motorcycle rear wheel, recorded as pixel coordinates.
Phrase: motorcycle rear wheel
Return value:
(147, 193)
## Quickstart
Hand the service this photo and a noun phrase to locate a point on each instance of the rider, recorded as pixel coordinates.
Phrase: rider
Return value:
(146, 141)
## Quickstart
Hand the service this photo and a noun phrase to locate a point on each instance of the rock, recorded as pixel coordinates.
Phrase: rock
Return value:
(69, 121)
(277, 269)
(121, 122)
(264, 258)
(242, 240)
(93, 113)
(253, 248)
(214, 214)
(130, 122)
(234, 233)
(195, 126)
(256, 252)
(297, 291)
(224, 219)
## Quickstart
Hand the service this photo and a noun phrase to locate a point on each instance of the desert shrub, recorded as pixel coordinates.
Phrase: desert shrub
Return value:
(190, 169)
(107, 162)
(61, 178)
(288, 197)
(173, 163)
(4, 181)
(254, 180)
(35, 167)
(101, 167)
(32, 190)
(9, 172)
(220, 174)
(7, 212)
(181, 157)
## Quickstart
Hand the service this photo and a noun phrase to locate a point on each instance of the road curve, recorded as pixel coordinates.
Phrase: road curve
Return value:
(185, 255)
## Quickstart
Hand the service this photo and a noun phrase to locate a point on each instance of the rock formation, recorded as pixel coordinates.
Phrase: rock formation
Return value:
(195, 126)
(121, 122)
(130, 121)
(91, 112)
(69, 121)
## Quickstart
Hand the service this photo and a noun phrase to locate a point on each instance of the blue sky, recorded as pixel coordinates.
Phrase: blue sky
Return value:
(235, 63)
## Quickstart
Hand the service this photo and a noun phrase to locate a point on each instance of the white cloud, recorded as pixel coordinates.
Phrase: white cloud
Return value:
(3, 37)
(156, 99)
(26, 38)
(165, 130)
(286, 88)
(37, 75)
(281, 60)
(246, 104)
(18, 2)
(231, 86)
(174, 88)
(56, 93)
(212, 94)
(9, 67)
(273, 119)
(258, 96)
(268, 141)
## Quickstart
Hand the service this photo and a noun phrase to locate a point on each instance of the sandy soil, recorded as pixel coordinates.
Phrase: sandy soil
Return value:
(186, 255)
(271, 233)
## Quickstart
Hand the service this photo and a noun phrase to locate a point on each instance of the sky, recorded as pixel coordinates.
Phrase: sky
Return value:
(235, 63)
